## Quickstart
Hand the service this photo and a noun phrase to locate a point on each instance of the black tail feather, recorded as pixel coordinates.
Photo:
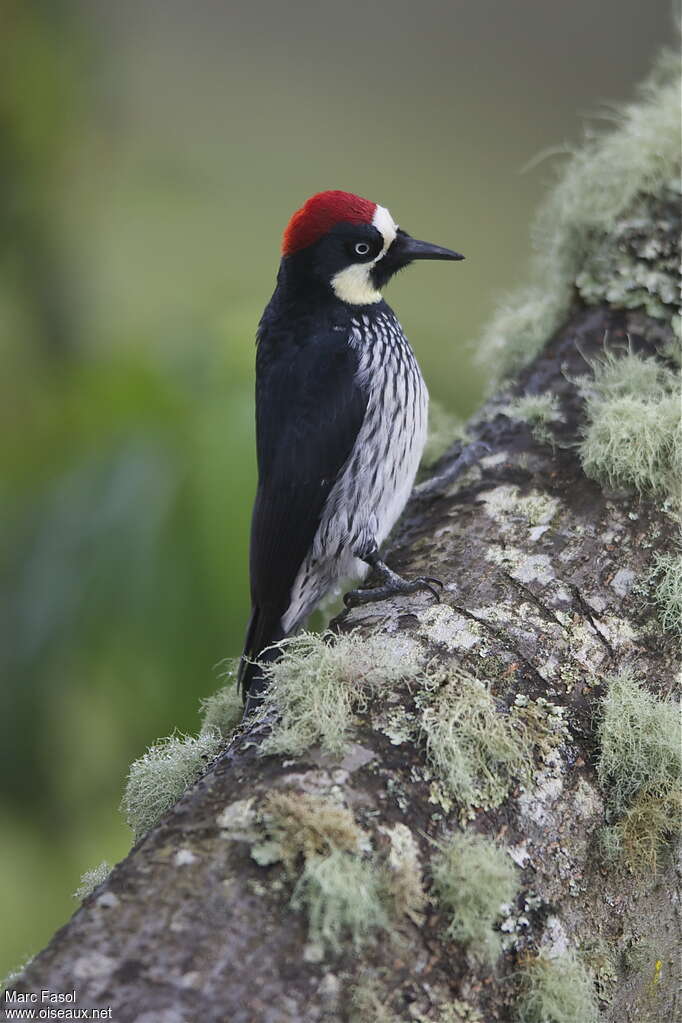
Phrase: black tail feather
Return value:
(263, 631)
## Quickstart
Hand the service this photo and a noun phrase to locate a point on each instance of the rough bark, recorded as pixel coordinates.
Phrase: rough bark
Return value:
(188, 927)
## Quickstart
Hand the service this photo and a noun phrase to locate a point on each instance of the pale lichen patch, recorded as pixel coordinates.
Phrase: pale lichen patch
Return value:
(507, 506)
(617, 630)
(524, 567)
(492, 461)
(238, 821)
(554, 941)
(445, 627)
(587, 801)
(93, 965)
(184, 858)
(534, 568)
(405, 873)
(519, 853)
(537, 804)
(398, 724)
(623, 581)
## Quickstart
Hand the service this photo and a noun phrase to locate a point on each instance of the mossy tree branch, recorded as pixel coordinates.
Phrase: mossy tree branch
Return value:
(310, 882)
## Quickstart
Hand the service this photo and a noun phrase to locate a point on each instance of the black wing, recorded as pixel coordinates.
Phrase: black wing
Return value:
(309, 410)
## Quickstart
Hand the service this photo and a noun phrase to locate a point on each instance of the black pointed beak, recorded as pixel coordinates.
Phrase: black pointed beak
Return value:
(410, 248)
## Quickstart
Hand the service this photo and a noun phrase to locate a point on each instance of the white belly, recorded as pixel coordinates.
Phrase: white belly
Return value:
(372, 491)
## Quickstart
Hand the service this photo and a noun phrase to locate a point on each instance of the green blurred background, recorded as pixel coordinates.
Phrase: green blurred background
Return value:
(150, 156)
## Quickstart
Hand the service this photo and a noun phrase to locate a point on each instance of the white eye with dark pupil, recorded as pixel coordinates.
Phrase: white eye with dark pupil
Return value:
(362, 248)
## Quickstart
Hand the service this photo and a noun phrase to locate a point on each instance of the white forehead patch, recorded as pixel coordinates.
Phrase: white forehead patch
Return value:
(354, 284)
(384, 223)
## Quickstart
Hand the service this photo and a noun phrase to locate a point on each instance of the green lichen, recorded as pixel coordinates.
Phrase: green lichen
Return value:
(342, 897)
(91, 879)
(633, 435)
(476, 750)
(545, 723)
(157, 780)
(599, 231)
(640, 771)
(472, 879)
(539, 411)
(555, 991)
(320, 682)
(636, 265)
(663, 585)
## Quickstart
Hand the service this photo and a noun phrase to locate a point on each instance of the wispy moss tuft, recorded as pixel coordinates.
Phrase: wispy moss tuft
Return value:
(319, 682)
(91, 879)
(222, 712)
(633, 436)
(157, 780)
(630, 442)
(476, 750)
(341, 895)
(472, 879)
(640, 771)
(640, 743)
(556, 991)
(638, 837)
(539, 411)
(663, 586)
(593, 219)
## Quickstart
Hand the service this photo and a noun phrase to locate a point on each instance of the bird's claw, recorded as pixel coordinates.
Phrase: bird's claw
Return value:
(397, 587)
(432, 579)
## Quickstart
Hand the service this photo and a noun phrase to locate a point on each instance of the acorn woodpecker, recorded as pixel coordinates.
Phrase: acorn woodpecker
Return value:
(340, 419)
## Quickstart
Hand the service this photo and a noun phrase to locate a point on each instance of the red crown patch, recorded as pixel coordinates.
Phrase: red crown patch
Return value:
(320, 213)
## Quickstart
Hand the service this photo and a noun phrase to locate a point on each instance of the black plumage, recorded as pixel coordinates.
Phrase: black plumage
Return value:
(310, 406)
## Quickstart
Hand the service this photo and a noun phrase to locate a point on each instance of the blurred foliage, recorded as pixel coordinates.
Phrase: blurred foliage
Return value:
(149, 158)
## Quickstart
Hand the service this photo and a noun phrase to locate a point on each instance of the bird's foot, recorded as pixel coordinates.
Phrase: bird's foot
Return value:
(393, 585)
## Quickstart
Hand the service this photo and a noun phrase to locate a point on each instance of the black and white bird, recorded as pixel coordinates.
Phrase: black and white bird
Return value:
(341, 411)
